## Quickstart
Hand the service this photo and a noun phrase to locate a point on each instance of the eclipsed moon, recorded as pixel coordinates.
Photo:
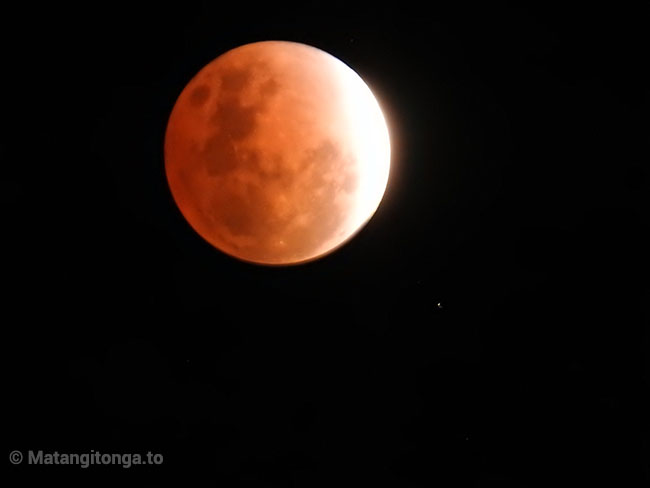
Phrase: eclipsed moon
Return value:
(277, 153)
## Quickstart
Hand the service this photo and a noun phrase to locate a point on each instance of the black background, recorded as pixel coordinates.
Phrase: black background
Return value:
(486, 328)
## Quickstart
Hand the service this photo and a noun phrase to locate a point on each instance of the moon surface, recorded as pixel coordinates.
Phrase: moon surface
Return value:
(277, 153)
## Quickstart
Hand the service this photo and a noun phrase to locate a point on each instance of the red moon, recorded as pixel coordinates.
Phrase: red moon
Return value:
(277, 153)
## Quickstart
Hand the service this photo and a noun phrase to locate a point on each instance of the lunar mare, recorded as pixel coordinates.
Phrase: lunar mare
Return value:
(277, 153)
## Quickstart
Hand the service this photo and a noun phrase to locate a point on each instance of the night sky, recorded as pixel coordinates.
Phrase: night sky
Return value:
(487, 328)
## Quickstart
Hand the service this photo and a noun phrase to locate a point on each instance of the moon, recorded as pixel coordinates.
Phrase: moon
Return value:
(277, 153)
